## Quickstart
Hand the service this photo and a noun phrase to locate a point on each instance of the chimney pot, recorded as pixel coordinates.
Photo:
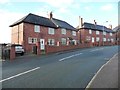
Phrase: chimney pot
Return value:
(95, 22)
(51, 15)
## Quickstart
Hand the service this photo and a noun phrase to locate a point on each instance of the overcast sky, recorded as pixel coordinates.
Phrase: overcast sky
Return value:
(67, 10)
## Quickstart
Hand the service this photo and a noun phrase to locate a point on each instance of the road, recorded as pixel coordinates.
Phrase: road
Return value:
(72, 69)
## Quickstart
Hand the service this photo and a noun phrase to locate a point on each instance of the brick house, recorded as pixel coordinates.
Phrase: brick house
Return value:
(95, 35)
(33, 29)
(117, 35)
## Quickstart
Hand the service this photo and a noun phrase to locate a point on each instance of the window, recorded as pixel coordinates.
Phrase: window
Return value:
(51, 31)
(108, 40)
(74, 33)
(51, 42)
(63, 31)
(36, 28)
(74, 42)
(104, 33)
(97, 32)
(90, 31)
(97, 39)
(110, 34)
(112, 40)
(32, 40)
(63, 41)
(104, 39)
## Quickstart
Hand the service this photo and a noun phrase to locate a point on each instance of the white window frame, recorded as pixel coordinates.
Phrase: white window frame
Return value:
(97, 32)
(104, 39)
(63, 41)
(51, 42)
(63, 31)
(32, 40)
(104, 33)
(74, 33)
(90, 31)
(112, 40)
(108, 39)
(111, 34)
(51, 31)
(97, 39)
(36, 28)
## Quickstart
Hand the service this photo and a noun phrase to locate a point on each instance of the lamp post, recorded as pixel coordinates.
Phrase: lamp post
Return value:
(103, 31)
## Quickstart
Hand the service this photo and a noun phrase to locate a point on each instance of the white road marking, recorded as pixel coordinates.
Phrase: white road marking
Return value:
(70, 56)
(19, 74)
(96, 49)
(88, 86)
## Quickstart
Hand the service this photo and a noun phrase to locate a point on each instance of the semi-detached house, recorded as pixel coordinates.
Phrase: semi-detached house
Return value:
(95, 35)
(52, 32)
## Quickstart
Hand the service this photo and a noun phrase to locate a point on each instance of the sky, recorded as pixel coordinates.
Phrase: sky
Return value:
(67, 10)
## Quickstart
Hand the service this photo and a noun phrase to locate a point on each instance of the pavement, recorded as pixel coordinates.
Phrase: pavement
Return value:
(107, 75)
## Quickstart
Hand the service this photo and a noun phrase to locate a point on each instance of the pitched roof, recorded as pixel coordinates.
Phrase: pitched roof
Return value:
(117, 28)
(63, 24)
(39, 20)
(96, 27)
(35, 19)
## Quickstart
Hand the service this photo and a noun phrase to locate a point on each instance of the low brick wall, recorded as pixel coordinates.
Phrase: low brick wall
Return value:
(53, 49)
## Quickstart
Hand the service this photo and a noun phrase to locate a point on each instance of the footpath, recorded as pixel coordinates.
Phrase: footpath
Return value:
(107, 76)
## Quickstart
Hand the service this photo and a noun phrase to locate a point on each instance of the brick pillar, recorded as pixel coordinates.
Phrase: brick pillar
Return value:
(12, 53)
(38, 48)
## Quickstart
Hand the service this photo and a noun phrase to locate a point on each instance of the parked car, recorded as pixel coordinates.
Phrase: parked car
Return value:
(19, 49)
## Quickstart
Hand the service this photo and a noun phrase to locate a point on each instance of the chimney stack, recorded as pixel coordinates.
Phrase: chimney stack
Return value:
(110, 26)
(51, 15)
(95, 22)
(80, 22)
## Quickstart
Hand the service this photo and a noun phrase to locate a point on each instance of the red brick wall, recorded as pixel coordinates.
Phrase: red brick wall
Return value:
(52, 49)
(29, 32)
(85, 32)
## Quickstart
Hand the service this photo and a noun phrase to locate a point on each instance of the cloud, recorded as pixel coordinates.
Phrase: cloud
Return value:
(4, 1)
(7, 18)
(107, 7)
(87, 8)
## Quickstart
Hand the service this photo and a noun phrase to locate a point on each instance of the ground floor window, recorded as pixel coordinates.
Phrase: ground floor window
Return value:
(63, 41)
(104, 39)
(51, 42)
(112, 40)
(32, 40)
(97, 39)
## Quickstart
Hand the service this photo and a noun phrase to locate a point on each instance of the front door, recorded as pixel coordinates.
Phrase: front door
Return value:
(42, 44)
(93, 39)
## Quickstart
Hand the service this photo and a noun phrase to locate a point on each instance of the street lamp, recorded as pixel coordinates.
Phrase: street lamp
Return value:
(104, 30)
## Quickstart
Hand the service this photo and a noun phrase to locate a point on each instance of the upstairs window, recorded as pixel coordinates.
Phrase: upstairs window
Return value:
(90, 31)
(104, 33)
(74, 33)
(51, 31)
(110, 34)
(97, 32)
(36, 28)
(63, 31)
